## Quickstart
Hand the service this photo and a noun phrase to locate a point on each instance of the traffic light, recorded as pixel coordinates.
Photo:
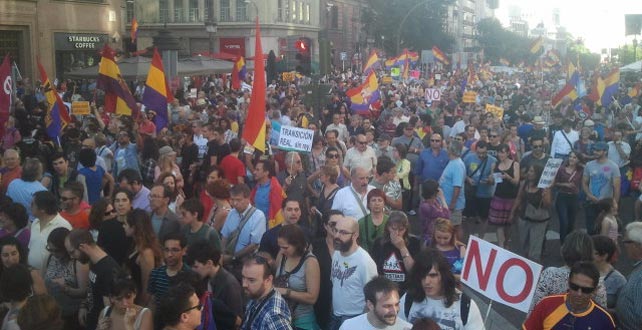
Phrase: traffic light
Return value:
(303, 56)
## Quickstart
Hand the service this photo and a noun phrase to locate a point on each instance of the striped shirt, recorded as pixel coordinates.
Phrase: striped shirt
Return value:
(629, 308)
(271, 312)
(159, 281)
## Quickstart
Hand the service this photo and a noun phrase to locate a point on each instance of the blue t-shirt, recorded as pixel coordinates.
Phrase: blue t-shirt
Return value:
(262, 197)
(94, 182)
(453, 176)
(430, 166)
(601, 177)
(482, 172)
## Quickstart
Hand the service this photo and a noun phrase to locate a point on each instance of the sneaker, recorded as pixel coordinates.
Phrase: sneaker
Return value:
(412, 212)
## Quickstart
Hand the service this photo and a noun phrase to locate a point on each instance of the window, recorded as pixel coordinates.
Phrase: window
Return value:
(307, 13)
(129, 8)
(193, 11)
(300, 12)
(225, 11)
(334, 17)
(163, 11)
(294, 11)
(241, 11)
(279, 11)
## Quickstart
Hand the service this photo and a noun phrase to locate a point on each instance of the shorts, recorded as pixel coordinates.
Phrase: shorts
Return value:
(456, 217)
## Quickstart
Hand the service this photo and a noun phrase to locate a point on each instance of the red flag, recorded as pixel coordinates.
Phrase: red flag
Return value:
(254, 131)
(6, 92)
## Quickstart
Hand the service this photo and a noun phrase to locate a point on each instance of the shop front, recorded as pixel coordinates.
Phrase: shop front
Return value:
(77, 50)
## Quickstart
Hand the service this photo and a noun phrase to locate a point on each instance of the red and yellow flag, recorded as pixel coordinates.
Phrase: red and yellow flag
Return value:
(254, 132)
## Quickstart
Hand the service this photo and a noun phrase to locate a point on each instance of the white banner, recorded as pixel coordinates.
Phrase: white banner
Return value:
(295, 138)
(550, 172)
(433, 94)
(499, 274)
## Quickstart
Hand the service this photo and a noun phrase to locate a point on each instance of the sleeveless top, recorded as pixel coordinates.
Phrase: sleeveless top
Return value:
(324, 203)
(506, 189)
(296, 282)
(134, 270)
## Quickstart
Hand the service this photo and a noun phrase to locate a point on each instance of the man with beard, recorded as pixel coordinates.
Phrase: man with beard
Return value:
(575, 309)
(382, 300)
(352, 268)
(536, 157)
(266, 309)
(163, 277)
(102, 269)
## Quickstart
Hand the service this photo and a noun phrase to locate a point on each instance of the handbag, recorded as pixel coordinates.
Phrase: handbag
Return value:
(536, 214)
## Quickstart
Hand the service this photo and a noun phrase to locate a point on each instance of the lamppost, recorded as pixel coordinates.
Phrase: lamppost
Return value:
(211, 26)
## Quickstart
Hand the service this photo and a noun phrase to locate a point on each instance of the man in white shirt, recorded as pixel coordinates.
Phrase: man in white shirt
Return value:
(340, 127)
(352, 199)
(45, 208)
(382, 300)
(563, 140)
(361, 155)
(619, 151)
(352, 268)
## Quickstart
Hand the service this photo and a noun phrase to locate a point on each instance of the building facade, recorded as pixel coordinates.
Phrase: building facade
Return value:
(64, 35)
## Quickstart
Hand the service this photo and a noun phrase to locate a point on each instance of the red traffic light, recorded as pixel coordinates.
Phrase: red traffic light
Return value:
(301, 46)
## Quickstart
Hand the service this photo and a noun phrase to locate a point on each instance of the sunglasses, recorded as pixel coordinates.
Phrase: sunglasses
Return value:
(199, 307)
(333, 156)
(435, 140)
(110, 212)
(574, 287)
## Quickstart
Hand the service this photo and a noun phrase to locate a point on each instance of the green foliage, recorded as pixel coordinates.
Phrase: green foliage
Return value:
(423, 28)
(498, 42)
(627, 54)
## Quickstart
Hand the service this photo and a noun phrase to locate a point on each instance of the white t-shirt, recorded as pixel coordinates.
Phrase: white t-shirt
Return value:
(201, 142)
(448, 318)
(346, 202)
(349, 275)
(361, 323)
(38, 253)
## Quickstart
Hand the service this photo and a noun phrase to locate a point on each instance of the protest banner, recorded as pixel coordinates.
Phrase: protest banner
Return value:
(550, 172)
(395, 72)
(499, 274)
(386, 80)
(80, 108)
(433, 94)
(497, 112)
(470, 97)
(288, 76)
(295, 138)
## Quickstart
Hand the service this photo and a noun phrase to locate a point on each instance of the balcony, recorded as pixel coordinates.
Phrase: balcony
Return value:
(191, 16)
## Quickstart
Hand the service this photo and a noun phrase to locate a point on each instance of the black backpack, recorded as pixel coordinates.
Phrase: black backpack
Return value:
(463, 312)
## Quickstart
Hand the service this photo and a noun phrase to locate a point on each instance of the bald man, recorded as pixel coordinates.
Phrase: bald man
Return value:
(11, 170)
(352, 268)
(90, 143)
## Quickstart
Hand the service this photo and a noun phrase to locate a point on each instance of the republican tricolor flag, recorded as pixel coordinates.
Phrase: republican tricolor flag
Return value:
(372, 64)
(365, 98)
(118, 97)
(440, 56)
(157, 93)
(56, 116)
(238, 72)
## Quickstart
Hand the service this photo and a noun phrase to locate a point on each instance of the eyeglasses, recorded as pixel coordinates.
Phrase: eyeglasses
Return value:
(199, 307)
(110, 212)
(341, 232)
(537, 147)
(333, 156)
(431, 140)
(574, 287)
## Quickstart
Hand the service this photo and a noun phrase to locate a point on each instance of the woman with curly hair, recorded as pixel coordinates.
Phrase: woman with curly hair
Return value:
(146, 252)
(433, 294)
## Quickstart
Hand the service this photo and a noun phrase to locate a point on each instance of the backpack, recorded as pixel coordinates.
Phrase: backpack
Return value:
(464, 307)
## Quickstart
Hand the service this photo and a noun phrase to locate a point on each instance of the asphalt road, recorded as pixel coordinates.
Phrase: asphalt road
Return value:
(504, 317)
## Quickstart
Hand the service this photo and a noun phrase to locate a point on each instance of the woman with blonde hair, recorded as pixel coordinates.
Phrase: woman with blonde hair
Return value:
(167, 163)
(445, 241)
(146, 253)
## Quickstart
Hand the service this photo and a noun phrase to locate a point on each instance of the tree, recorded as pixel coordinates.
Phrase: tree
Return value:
(423, 27)
(498, 42)
(271, 66)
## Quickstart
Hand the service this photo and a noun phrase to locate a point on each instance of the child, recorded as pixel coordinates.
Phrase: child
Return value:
(606, 223)
(444, 240)
(403, 171)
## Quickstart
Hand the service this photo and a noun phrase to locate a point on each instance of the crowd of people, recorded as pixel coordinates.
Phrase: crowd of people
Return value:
(120, 224)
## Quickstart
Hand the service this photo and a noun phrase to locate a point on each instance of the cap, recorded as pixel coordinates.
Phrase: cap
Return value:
(589, 123)
(166, 150)
(538, 120)
(601, 146)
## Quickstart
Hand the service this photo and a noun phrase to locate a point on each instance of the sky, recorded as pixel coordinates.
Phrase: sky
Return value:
(599, 23)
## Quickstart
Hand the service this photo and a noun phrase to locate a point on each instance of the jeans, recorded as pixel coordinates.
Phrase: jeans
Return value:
(590, 214)
(566, 206)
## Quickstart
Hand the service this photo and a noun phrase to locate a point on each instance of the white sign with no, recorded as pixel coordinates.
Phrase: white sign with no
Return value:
(433, 94)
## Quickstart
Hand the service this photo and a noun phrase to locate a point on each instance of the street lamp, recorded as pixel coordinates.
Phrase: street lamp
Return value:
(211, 26)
